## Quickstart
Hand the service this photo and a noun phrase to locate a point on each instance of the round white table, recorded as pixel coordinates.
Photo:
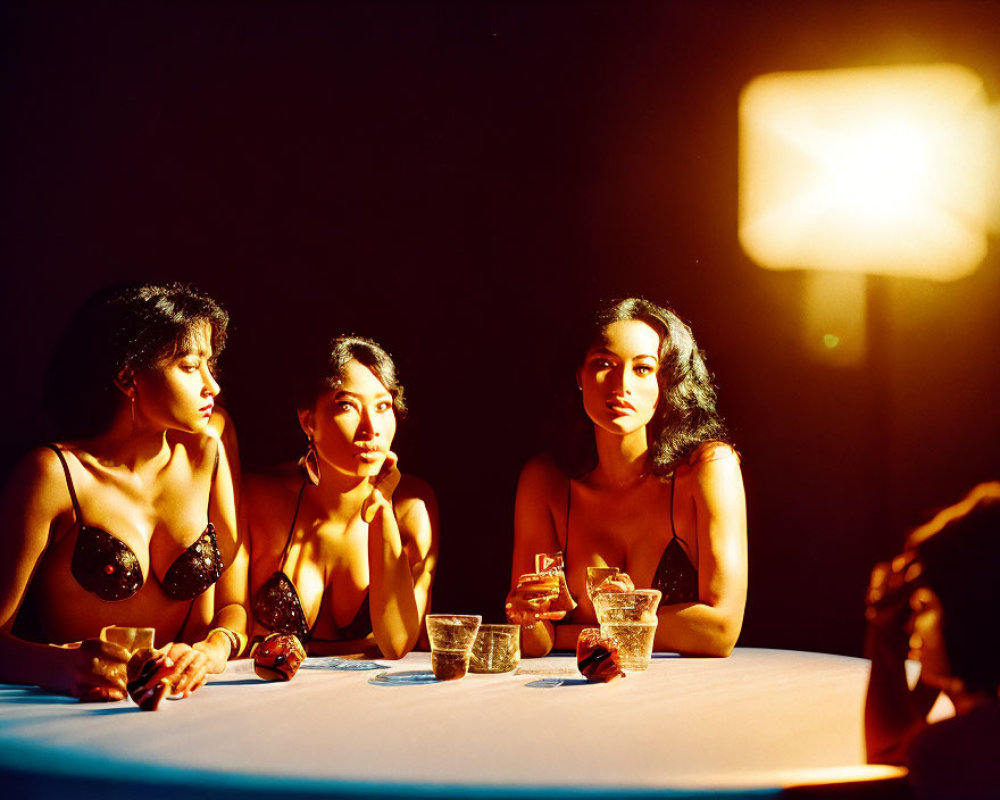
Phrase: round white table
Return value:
(749, 725)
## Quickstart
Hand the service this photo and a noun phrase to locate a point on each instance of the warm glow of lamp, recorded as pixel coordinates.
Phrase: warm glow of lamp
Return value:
(876, 170)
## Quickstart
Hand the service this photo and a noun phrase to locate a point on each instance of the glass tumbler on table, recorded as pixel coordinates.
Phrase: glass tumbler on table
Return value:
(629, 617)
(497, 648)
(451, 637)
(598, 575)
(134, 640)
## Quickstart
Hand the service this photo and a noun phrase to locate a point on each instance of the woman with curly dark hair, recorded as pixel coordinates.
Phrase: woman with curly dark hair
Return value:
(647, 484)
(344, 545)
(129, 518)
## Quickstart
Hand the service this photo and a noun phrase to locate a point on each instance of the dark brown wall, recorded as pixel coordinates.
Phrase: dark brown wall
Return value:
(457, 180)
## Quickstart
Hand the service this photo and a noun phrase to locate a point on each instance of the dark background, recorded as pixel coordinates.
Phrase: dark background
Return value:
(458, 180)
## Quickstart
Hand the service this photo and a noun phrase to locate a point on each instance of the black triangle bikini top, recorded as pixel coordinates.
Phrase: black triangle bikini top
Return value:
(676, 577)
(104, 565)
(277, 606)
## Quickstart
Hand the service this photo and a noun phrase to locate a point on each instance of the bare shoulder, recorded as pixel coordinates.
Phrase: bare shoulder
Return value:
(414, 489)
(711, 462)
(417, 514)
(710, 452)
(38, 481)
(275, 486)
(414, 498)
(220, 424)
(542, 478)
(39, 467)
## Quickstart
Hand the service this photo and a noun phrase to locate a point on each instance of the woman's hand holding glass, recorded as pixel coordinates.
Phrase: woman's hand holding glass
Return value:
(531, 599)
(94, 671)
(607, 579)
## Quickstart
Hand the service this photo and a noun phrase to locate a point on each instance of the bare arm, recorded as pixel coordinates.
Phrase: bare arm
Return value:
(228, 597)
(712, 625)
(402, 557)
(222, 426)
(32, 502)
(231, 590)
(534, 532)
(894, 713)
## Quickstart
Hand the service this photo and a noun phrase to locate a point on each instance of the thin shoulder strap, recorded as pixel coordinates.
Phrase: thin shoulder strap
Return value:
(69, 482)
(180, 631)
(673, 483)
(215, 471)
(291, 528)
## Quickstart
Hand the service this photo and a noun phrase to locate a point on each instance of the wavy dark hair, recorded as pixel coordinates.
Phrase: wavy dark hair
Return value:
(685, 415)
(960, 562)
(328, 369)
(125, 326)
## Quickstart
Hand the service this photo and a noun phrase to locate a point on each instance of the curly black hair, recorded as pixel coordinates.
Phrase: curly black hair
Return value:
(125, 326)
(686, 415)
(328, 369)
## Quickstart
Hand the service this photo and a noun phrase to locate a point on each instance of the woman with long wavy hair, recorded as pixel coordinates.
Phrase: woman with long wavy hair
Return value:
(646, 482)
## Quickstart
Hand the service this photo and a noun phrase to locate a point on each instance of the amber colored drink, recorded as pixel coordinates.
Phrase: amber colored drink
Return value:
(538, 588)
(449, 665)
(451, 637)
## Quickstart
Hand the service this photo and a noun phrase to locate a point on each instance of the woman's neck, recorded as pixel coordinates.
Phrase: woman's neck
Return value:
(622, 461)
(132, 445)
(338, 491)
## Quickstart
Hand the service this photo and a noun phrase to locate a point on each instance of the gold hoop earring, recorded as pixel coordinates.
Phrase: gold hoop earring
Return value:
(310, 464)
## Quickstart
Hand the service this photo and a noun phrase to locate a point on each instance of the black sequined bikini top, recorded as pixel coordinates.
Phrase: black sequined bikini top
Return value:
(277, 606)
(676, 577)
(109, 568)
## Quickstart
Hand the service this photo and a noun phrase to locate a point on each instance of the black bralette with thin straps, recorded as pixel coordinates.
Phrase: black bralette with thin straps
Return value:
(277, 606)
(107, 567)
(676, 577)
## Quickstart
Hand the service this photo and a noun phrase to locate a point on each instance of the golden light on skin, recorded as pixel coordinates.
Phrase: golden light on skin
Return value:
(889, 170)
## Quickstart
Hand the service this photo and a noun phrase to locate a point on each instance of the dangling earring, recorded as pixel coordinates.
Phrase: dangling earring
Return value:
(131, 406)
(310, 464)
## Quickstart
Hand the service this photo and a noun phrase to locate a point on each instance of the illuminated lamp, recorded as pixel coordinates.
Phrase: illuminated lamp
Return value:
(877, 170)
(887, 170)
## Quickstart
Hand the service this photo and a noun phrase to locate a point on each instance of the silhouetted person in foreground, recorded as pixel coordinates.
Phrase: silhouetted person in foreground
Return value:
(938, 603)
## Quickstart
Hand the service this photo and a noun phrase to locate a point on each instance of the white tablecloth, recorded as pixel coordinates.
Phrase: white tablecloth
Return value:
(749, 724)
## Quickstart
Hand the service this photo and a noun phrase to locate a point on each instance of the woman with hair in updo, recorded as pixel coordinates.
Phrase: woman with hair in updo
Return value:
(344, 546)
(936, 603)
(128, 518)
(645, 481)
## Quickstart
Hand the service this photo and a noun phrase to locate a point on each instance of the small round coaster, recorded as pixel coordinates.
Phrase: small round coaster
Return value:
(340, 664)
(405, 678)
(545, 683)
